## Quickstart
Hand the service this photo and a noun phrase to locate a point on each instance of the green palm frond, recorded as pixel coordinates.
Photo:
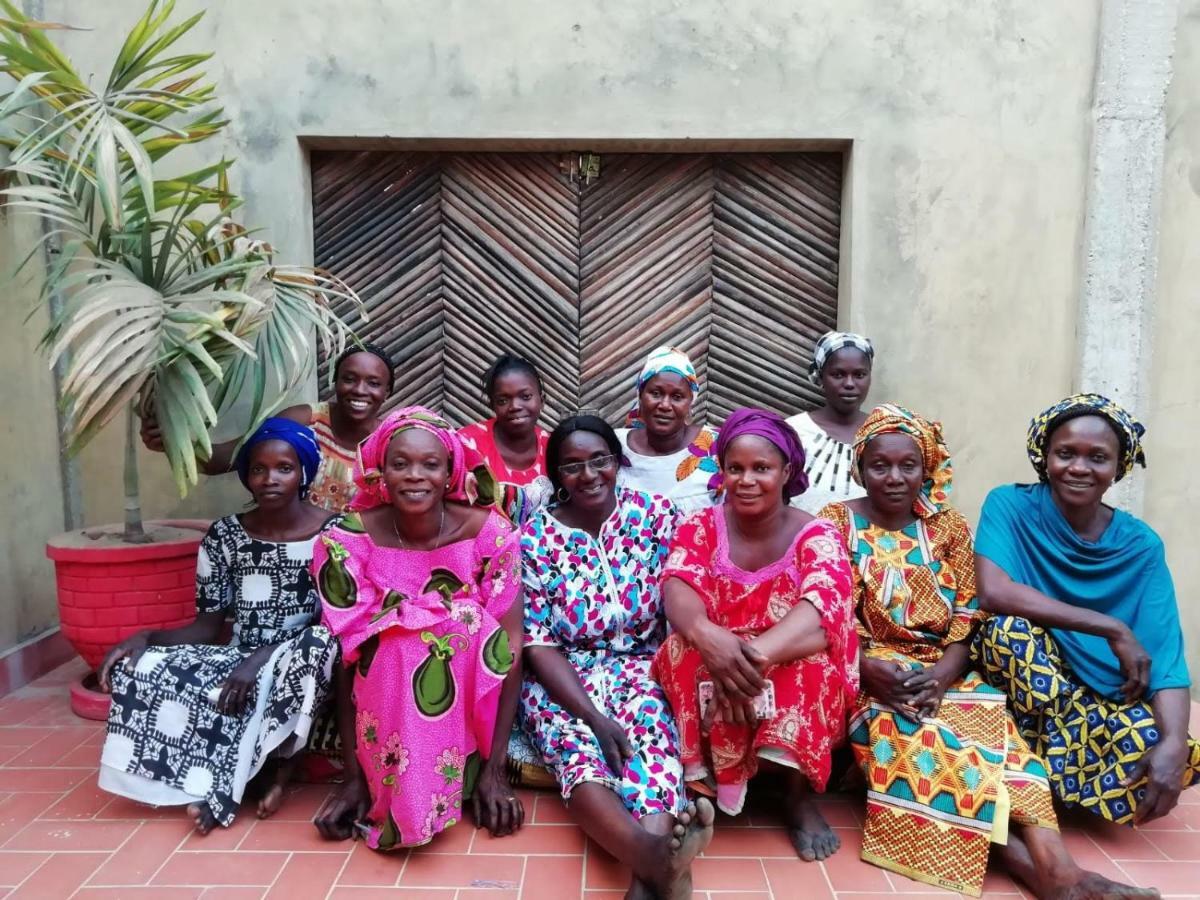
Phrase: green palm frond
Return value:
(165, 298)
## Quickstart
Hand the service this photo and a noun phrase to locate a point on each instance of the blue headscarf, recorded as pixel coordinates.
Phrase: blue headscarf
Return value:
(299, 437)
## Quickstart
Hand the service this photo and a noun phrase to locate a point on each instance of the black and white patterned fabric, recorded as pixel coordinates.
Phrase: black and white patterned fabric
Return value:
(166, 742)
(830, 343)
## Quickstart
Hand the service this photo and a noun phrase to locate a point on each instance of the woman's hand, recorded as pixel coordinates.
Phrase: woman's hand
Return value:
(901, 689)
(1162, 766)
(345, 806)
(497, 808)
(151, 431)
(1134, 660)
(129, 650)
(733, 664)
(236, 690)
(723, 708)
(931, 687)
(613, 742)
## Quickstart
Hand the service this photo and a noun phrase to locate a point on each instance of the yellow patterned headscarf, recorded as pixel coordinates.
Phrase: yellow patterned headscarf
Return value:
(889, 418)
(1129, 430)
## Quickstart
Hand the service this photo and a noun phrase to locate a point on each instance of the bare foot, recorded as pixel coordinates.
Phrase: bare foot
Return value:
(692, 833)
(810, 834)
(1093, 886)
(272, 798)
(202, 817)
(639, 890)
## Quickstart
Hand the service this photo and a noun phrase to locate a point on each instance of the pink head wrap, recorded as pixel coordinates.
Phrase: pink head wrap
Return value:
(372, 452)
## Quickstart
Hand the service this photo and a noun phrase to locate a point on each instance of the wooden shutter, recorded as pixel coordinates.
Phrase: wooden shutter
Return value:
(377, 224)
(510, 243)
(733, 257)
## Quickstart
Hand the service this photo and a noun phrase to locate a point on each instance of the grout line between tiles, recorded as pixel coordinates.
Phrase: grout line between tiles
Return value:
(337, 878)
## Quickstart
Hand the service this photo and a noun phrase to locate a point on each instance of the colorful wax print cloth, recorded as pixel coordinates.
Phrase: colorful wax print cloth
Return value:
(334, 487)
(1090, 742)
(166, 742)
(828, 463)
(811, 693)
(690, 478)
(939, 790)
(421, 631)
(598, 600)
(1129, 430)
(479, 439)
(1123, 574)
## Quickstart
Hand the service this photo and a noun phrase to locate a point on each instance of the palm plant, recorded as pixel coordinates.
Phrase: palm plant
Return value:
(163, 299)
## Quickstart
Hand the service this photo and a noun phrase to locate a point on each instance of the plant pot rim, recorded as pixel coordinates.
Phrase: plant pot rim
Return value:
(80, 545)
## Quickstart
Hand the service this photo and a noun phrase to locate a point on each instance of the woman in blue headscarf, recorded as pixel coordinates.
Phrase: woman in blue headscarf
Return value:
(193, 721)
(1086, 640)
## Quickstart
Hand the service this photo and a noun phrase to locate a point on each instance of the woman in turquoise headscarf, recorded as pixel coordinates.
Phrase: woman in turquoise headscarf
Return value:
(1086, 639)
(664, 452)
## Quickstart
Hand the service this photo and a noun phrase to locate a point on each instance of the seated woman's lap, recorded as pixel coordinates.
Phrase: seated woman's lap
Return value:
(652, 781)
(1089, 742)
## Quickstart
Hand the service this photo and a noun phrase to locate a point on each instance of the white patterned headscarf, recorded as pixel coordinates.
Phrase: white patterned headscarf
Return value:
(830, 343)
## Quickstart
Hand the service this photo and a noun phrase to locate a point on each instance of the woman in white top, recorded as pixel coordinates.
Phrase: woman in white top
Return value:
(841, 367)
(664, 452)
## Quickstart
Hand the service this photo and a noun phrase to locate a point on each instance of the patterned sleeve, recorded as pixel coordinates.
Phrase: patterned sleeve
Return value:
(827, 582)
(839, 515)
(499, 543)
(214, 588)
(534, 569)
(349, 600)
(959, 557)
(472, 436)
(667, 518)
(691, 557)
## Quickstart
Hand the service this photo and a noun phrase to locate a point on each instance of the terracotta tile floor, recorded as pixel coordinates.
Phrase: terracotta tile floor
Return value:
(61, 837)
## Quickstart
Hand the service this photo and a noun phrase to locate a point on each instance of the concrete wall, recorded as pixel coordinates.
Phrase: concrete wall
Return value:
(1173, 420)
(970, 127)
(31, 489)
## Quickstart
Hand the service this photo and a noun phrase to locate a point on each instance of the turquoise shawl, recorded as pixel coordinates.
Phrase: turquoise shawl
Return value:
(1124, 575)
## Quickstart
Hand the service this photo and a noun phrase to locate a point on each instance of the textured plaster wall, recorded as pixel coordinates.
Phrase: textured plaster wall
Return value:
(970, 127)
(30, 488)
(1172, 479)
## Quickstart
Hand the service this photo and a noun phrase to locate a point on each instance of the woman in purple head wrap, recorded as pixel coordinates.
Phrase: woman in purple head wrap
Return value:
(754, 674)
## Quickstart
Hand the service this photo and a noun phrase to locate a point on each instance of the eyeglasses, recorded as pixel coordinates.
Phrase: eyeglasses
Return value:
(596, 464)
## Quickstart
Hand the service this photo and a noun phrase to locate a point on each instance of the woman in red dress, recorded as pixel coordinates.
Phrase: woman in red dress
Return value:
(734, 585)
(511, 442)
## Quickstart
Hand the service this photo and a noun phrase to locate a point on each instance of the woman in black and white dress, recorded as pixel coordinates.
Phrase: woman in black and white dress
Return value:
(841, 368)
(193, 721)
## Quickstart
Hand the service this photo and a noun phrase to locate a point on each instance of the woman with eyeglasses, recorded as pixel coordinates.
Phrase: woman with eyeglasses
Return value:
(594, 618)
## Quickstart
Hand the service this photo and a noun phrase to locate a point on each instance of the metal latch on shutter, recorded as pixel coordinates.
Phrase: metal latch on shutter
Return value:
(578, 167)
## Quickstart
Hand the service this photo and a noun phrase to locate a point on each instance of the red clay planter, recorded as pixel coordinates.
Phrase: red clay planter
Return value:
(107, 590)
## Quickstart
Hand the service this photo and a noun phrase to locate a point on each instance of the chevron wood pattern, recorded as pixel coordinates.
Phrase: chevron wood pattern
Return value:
(733, 257)
(646, 242)
(510, 243)
(377, 223)
(774, 270)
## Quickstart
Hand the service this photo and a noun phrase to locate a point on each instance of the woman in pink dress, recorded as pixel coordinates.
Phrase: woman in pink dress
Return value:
(423, 592)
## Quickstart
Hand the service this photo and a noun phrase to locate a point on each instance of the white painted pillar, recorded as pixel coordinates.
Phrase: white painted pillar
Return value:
(1120, 241)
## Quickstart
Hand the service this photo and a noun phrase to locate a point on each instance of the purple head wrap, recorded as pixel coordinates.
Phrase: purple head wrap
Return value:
(772, 426)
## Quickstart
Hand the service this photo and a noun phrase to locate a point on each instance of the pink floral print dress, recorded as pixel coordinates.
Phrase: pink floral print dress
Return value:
(421, 630)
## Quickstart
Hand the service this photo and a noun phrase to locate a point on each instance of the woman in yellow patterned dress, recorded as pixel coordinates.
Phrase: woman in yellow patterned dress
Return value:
(947, 773)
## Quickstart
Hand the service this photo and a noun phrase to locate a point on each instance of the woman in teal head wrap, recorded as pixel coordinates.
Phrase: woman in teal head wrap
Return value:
(1086, 639)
